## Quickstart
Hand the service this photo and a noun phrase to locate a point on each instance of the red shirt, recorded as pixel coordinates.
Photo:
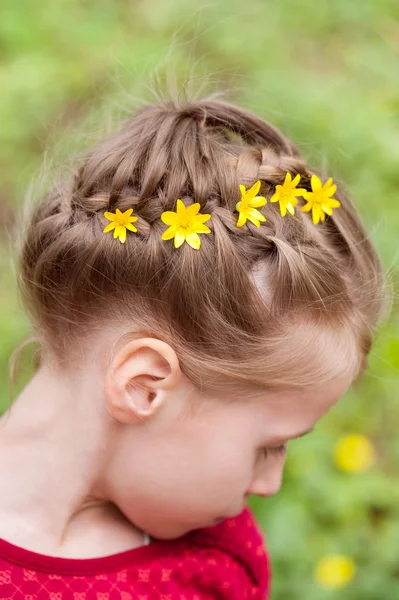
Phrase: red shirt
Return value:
(225, 562)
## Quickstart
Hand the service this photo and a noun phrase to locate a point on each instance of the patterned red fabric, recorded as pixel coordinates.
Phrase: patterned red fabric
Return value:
(224, 562)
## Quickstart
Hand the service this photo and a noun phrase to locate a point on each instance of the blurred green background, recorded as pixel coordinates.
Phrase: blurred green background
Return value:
(327, 74)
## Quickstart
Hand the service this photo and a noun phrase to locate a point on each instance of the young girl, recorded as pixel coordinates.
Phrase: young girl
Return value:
(201, 296)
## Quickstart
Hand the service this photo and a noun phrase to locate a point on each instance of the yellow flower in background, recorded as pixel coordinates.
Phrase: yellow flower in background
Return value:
(120, 222)
(335, 571)
(185, 225)
(286, 194)
(319, 200)
(248, 204)
(354, 453)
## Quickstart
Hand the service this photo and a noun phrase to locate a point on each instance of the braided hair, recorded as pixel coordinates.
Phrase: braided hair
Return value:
(241, 300)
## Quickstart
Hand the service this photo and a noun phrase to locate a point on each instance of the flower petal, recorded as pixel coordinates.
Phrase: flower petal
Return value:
(258, 201)
(109, 227)
(256, 221)
(169, 218)
(202, 218)
(169, 233)
(316, 214)
(275, 197)
(193, 240)
(333, 203)
(330, 191)
(131, 227)
(181, 209)
(327, 209)
(315, 183)
(253, 220)
(288, 179)
(242, 189)
(308, 195)
(179, 237)
(295, 181)
(241, 220)
(199, 228)
(307, 207)
(252, 192)
(122, 235)
(117, 231)
(253, 212)
(192, 210)
(128, 212)
(110, 216)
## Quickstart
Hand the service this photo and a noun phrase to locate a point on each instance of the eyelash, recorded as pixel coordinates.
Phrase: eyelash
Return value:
(274, 451)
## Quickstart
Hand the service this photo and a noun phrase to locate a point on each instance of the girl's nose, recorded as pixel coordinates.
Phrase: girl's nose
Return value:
(266, 484)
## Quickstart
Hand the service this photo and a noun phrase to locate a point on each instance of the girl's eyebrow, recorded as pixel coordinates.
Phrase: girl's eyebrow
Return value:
(295, 437)
(302, 434)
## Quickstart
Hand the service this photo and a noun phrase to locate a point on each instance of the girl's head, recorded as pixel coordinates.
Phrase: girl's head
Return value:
(202, 357)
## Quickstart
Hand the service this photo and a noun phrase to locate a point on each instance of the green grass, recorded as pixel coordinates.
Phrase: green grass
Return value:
(327, 74)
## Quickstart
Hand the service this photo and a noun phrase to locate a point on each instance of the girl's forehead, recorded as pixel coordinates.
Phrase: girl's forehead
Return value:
(309, 345)
(289, 413)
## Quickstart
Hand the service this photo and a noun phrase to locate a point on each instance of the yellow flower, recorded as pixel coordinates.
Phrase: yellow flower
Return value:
(120, 222)
(286, 194)
(185, 225)
(335, 572)
(319, 200)
(354, 453)
(247, 205)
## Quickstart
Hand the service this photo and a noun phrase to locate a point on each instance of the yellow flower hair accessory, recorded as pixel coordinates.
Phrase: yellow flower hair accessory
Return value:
(248, 204)
(120, 222)
(319, 200)
(185, 224)
(287, 193)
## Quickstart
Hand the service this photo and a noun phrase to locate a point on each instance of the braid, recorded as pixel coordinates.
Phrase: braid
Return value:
(204, 303)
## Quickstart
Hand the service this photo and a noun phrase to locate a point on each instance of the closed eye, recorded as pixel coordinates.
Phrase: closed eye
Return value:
(273, 451)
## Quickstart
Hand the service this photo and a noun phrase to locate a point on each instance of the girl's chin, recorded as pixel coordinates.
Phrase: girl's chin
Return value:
(217, 521)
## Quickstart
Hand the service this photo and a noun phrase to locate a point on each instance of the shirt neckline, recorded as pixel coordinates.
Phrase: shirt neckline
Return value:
(29, 559)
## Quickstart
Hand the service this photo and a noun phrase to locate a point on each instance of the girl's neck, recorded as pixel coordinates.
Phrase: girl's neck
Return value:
(54, 447)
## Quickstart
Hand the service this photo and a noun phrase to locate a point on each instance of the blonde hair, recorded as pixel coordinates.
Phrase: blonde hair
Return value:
(288, 303)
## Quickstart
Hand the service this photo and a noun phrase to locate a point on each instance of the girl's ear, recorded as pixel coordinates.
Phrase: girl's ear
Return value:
(141, 376)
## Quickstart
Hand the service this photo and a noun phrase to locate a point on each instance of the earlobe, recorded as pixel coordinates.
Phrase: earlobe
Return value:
(139, 379)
